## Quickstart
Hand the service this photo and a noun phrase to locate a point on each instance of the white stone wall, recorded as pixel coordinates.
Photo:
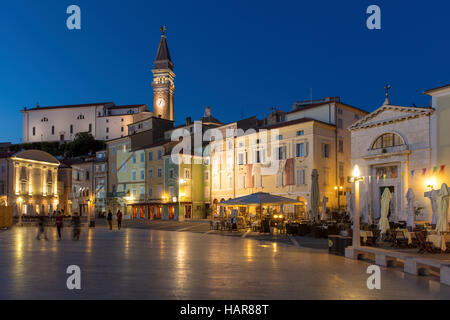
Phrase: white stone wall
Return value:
(63, 118)
(416, 156)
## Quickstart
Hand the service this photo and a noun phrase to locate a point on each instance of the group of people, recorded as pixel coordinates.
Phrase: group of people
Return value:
(119, 219)
(76, 224)
(59, 221)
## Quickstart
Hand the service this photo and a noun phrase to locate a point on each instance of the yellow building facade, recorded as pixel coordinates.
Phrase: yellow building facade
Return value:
(29, 182)
(279, 159)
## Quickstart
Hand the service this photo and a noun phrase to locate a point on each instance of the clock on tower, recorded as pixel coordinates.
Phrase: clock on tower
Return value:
(163, 81)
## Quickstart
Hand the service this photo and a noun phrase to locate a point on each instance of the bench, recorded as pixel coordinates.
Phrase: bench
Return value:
(412, 263)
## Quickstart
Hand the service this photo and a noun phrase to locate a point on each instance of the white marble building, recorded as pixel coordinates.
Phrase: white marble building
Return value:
(105, 121)
(392, 146)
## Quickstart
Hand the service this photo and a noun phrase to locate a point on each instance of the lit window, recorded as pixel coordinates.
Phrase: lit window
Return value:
(300, 150)
(388, 140)
(326, 150)
(341, 146)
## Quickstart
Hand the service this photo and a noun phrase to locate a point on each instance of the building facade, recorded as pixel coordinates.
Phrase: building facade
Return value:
(105, 121)
(392, 148)
(82, 196)
(100, 181)
(29, 182)
(440, 132)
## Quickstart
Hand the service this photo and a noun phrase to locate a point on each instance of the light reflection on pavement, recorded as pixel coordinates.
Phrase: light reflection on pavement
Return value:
(152, 264)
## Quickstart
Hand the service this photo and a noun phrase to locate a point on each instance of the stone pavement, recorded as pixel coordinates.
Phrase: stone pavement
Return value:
(203, 227)
(155, 264)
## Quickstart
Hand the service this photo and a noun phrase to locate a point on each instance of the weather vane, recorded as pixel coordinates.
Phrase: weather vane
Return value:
(163, 30)
(387, 87)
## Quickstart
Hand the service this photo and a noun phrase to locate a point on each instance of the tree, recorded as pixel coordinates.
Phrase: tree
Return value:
(83, 144)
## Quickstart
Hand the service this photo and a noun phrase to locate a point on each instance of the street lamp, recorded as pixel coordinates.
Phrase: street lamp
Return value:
(20, 200)
(356, 178)
(338, 195)
(89, 212)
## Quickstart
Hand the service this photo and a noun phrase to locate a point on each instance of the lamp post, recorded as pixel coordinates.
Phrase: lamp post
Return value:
(338, 195)
(356, 178)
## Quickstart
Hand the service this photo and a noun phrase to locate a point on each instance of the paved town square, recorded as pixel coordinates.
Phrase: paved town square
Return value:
(221, 150)
(152, 264)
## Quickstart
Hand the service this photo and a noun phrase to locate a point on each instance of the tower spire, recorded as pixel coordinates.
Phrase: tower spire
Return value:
(163, 59)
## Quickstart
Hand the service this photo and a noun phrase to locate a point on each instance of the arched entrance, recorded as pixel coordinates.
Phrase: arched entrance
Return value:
(300, 210)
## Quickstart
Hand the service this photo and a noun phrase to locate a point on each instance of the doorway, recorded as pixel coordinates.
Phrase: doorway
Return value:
(171, 212)
(150, 212)
(158, 212)
(391, 213)
(187, 211)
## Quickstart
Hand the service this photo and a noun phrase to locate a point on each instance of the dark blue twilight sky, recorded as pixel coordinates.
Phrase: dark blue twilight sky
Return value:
(239, 57)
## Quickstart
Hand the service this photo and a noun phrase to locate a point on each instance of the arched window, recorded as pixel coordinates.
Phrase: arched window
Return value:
(80, 117)
(388, 140)
(44, 119)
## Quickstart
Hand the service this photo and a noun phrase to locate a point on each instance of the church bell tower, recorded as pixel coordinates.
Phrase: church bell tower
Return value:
(163, 81)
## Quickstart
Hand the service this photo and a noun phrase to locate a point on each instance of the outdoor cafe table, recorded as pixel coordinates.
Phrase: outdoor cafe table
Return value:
(439, 241)
(364, 234)
(409, 235)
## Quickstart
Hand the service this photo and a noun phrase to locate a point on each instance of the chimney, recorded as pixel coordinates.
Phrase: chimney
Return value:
(188, 121)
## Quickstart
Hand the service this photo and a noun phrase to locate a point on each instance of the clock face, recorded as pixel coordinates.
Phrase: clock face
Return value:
(160, 102)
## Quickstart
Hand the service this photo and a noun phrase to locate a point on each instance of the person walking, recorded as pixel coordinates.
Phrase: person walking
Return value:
(109, 218)
(41, 227)
(76, 225)
(119, 219)
(59, 223)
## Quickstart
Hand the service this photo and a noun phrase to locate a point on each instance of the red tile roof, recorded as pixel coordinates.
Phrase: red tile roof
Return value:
(69, 106)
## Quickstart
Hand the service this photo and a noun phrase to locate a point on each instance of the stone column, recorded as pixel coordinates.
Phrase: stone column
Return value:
(44, 181)
(17, 178)
(55, 182)
(30, 180)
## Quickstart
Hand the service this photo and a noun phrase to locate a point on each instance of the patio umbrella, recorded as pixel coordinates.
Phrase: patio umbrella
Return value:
(442, 202)
(259, 198)
(324, 208)
(315, 195)
(365, 206)
(385, 201)
(349, 205)
(433, 198)
(411, 216)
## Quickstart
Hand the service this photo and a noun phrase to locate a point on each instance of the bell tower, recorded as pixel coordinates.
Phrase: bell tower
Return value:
(163, 81)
